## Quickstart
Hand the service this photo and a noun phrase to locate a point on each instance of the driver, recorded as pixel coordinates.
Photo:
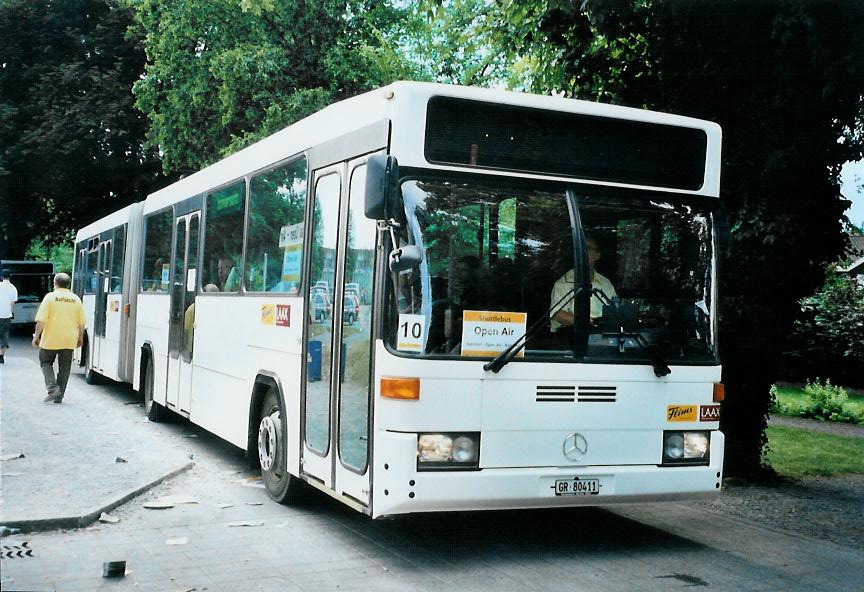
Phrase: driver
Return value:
(564, 284)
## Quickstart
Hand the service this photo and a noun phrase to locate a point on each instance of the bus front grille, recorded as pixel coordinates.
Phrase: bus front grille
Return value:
(556, 394)
(597, 394)
(571, 394)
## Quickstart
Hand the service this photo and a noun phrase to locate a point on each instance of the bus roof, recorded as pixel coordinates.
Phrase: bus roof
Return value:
(404, 104)
(110, 221)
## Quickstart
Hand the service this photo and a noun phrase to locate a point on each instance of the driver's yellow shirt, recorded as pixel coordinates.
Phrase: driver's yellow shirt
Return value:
(565, 283)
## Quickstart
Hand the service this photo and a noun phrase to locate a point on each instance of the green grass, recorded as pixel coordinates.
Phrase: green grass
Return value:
(790, 400)
(802, 453)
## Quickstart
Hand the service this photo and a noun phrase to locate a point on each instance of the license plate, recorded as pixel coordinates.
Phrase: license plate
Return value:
(577, 486)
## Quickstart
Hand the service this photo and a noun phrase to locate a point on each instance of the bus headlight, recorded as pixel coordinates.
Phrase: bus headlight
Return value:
(434, 447)
(691, 448)
(448, 451)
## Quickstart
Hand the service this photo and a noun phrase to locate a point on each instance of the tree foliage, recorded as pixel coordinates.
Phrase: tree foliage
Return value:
(784, 78)
(72, 141)
(829, 337)
(60, 254)
(221, 74)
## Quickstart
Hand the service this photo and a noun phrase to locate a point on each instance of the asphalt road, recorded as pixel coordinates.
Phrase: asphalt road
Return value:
(223, 533)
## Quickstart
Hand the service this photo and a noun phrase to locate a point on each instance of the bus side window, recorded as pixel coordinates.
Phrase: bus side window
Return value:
(274, 247)
(157, 251)
(91, 277)
(223, 237)
(119, 245)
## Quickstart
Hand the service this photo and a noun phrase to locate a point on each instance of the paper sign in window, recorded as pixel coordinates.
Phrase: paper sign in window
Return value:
(488, 333)
(291, 241)
(190, 279)
(411, 333)
(291, 263)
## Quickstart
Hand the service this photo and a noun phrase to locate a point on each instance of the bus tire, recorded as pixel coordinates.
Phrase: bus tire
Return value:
(272, 450)
(91, 376)
(151, 407)
(85, 358)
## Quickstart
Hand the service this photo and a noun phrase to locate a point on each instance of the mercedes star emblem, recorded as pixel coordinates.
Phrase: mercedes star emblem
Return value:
(575, 446)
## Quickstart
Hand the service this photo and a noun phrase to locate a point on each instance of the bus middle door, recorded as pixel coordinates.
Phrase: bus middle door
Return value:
(103, 272)
(181, 327)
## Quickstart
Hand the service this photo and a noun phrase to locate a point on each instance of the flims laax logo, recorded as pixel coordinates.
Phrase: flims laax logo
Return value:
(283, 315)
(709, 412)
(276, 314)
(681, 412)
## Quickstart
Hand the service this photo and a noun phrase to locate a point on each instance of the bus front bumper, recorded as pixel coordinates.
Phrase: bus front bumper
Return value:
(401, 489)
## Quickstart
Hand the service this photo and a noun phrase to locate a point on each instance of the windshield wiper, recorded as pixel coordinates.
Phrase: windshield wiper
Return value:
(508, 354)
(660, 367)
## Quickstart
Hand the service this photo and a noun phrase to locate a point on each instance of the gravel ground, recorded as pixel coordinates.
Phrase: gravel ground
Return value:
(850, 430)
(821, 508)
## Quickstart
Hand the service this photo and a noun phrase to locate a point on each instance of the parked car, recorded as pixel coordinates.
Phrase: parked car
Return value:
(322, 286)
(355, 288)
(321, 309)
(351, 311)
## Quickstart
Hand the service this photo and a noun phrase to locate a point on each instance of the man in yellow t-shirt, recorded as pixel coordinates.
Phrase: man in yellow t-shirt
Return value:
(59, 330)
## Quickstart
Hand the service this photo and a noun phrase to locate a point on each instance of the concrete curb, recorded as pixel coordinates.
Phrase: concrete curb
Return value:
(70, 522)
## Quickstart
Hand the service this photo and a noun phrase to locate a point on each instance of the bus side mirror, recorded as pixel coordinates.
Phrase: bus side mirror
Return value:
(382, 187)
(407, 257)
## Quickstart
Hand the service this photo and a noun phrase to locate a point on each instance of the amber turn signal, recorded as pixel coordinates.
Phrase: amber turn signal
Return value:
(400, 388)
(719, 392)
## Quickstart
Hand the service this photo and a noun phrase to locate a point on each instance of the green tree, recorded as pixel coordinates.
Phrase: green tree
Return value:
(72, 141)
(450, 39)
(829, 337)
(784, 78)
(60, 254)
(222, 74)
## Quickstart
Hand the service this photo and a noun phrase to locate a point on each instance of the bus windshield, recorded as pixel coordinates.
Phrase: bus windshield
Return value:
(499, 259)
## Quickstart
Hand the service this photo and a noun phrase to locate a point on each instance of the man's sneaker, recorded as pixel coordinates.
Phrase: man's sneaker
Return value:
(2, 360)
(53, 398)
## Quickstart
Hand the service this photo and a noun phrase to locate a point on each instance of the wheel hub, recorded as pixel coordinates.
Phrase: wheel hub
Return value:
(268, 432)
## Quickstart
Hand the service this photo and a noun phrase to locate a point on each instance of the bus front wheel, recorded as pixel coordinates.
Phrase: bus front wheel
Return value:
(272, 451)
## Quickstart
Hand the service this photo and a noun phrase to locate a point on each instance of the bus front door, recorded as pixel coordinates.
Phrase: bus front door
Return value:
(317, 460)
(338, 334)
(181, 327)
(353, 387)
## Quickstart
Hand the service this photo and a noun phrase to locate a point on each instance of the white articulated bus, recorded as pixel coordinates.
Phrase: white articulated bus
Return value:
(432, 297)
(32, 279)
